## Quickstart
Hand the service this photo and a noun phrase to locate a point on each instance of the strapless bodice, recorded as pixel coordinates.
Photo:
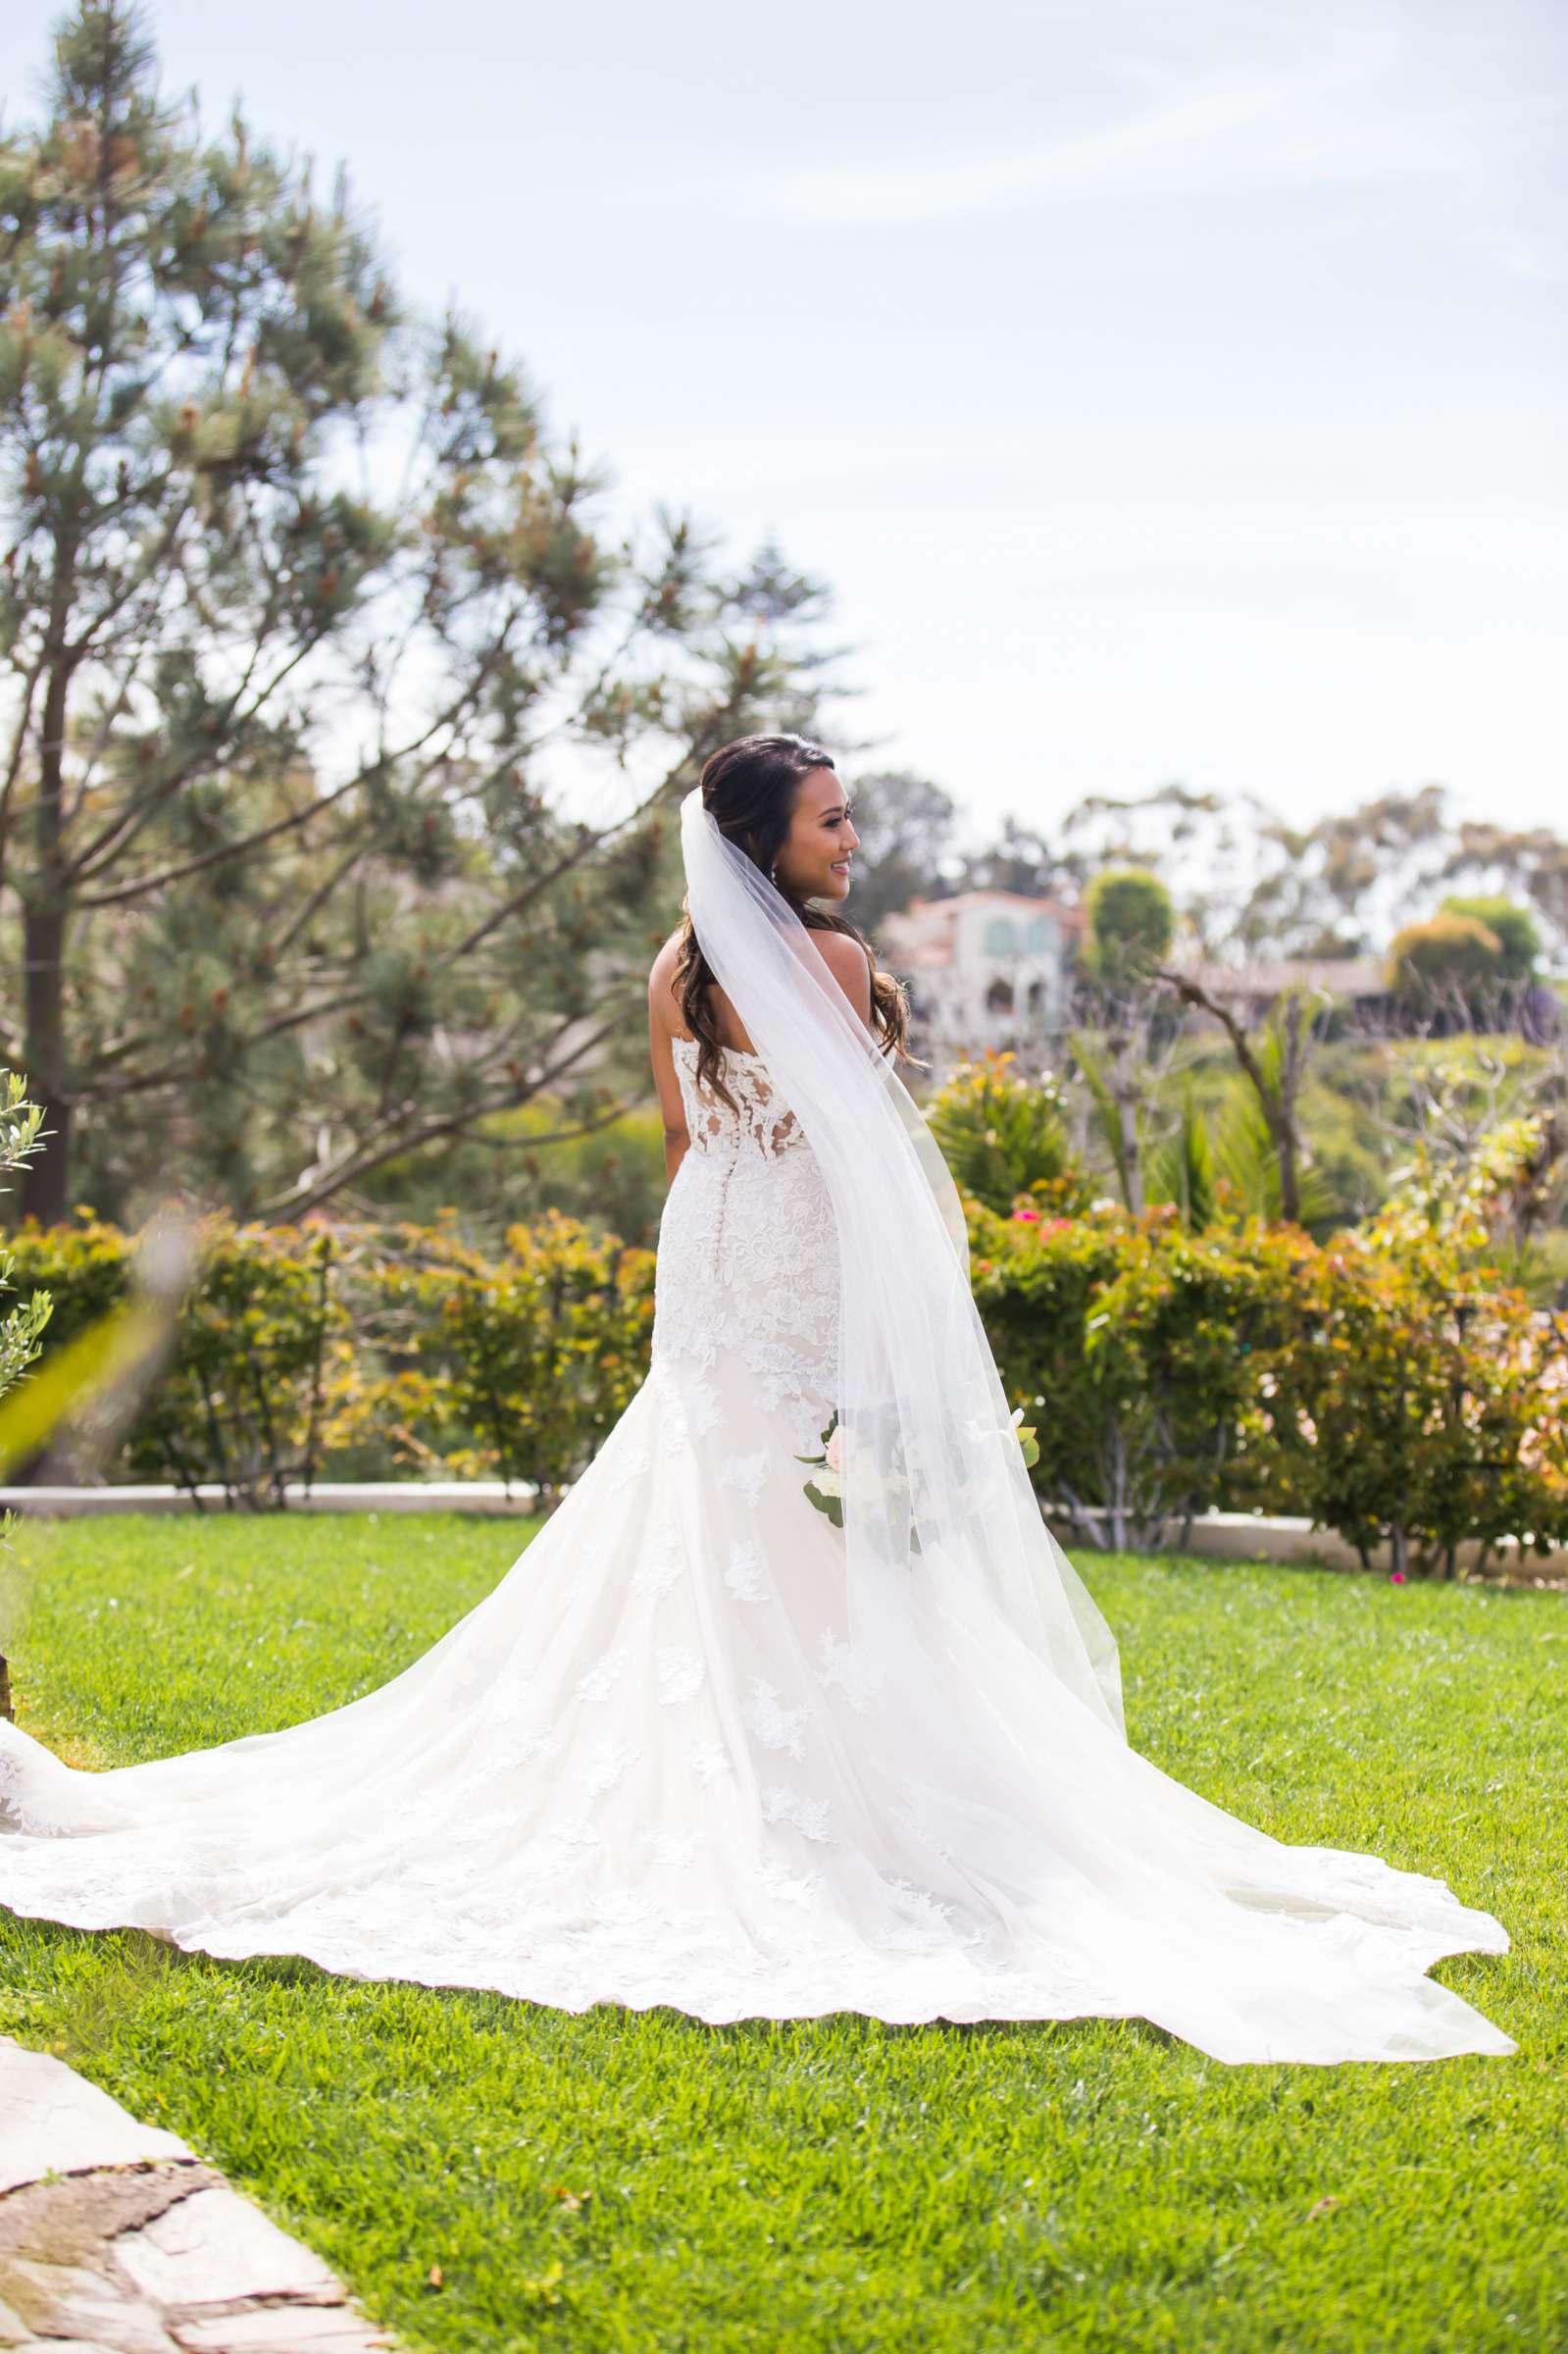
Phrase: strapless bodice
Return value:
(748, 1248)
(758, 1117)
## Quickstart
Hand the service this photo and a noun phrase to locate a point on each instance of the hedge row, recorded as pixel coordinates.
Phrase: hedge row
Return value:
(1388, 1384)
(1382, 1384)
(369, 1353)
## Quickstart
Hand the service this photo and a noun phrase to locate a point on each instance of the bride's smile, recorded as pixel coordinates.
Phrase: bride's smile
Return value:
(814, 863)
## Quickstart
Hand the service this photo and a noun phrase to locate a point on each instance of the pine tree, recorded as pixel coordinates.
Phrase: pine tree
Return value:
(304, 617)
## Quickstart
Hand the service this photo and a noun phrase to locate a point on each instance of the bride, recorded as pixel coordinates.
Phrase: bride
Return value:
(710, 1744)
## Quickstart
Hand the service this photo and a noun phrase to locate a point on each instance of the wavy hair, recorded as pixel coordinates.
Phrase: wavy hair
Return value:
(749, 788)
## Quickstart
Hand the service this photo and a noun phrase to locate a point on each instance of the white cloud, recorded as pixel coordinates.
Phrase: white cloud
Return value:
(1348, 110)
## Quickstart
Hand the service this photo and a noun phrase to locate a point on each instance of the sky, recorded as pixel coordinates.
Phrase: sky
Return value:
(1167, 393)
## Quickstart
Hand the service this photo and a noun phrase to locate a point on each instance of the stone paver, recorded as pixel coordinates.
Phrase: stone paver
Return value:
(300, 2329)
(54, 2122)
(218, 2249)
(116, 2239)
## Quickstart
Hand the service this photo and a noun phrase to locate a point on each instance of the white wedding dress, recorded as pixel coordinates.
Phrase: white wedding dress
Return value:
(649, 1770)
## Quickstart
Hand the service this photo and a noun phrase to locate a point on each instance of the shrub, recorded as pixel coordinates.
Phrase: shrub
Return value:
(515, 1366)
(1136, 1349)
(1424, 1400)
(1408, 1409)
(1388, 1385)
(239, 1402)
(368, 1352)
(1447, 953)
(1002, 1135)
(1514, 928)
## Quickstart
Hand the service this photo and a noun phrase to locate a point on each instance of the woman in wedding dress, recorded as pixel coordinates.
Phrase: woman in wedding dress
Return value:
(707, 1746)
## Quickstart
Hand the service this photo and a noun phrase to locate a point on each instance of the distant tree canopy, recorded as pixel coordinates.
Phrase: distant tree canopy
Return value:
(1019, 858)
(303, 618)
(906, 826)
(1245, 882)
(1249, 881)
(1448, 953)
(1514, 928)
(1130, 924)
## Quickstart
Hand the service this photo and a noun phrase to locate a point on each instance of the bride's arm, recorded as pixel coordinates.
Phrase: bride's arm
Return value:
(671, 1108)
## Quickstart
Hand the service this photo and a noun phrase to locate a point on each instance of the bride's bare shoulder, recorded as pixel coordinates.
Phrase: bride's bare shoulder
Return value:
(848, 960)
(664, 964)
(661, 983)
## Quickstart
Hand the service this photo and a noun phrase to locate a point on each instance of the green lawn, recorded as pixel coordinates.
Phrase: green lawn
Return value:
(629, 2180)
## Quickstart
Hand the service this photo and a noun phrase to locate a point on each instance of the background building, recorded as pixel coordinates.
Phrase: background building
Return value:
(1251, 991)
(986, 970)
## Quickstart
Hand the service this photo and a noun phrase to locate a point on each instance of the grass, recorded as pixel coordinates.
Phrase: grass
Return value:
(632, 2180)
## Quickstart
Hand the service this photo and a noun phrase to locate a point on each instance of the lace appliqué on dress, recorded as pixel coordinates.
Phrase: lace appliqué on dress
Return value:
(748, 1252)
(811, 1817)
(743, 1572)
(775, 1725)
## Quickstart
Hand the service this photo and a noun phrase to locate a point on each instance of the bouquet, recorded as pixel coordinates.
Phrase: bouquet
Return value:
(825, 1489)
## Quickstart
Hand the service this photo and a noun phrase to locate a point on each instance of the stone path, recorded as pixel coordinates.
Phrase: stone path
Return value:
(116, 2239)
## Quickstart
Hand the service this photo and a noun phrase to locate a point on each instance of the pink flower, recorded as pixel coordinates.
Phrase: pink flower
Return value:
(1396, 1577)
(1030, 1216)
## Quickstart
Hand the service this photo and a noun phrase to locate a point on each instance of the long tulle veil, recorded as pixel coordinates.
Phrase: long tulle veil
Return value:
(676, 1756)
(950, 1570)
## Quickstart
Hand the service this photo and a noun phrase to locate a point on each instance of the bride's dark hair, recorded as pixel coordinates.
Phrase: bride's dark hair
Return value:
(749, 788)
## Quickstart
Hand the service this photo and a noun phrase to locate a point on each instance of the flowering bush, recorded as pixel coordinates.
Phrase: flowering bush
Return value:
(1130, 1343)
(1002, 1136)
(366, 1351)
(239, 1403)
(538, 1351)
(1424, 1400)
(1389, 1384)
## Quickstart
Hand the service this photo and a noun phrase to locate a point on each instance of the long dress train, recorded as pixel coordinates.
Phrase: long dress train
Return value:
(646, 1769)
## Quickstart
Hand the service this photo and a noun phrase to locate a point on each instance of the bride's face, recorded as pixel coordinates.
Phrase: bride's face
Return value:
(815, 860)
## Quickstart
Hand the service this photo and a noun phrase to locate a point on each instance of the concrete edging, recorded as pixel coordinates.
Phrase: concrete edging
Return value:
(1217, 1536)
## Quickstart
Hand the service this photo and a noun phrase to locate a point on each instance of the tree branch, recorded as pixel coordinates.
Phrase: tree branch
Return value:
(361, 1162)
(215, 858)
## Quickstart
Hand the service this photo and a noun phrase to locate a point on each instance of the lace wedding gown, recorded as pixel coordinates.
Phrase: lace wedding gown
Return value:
(646, 1769)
